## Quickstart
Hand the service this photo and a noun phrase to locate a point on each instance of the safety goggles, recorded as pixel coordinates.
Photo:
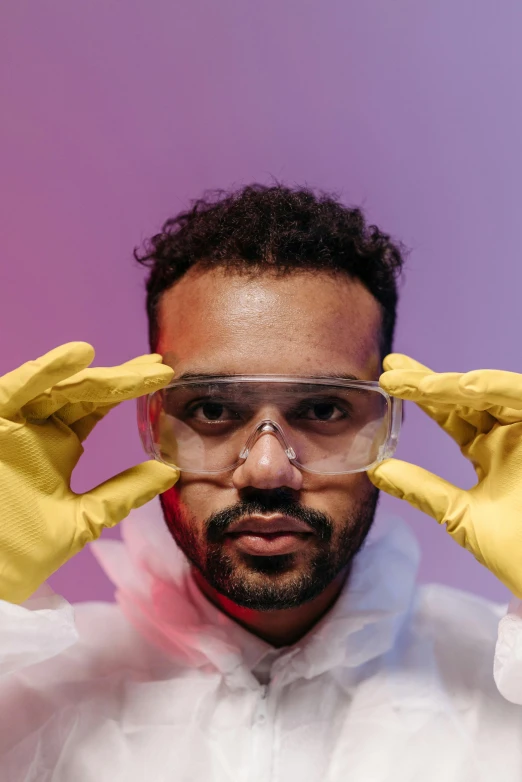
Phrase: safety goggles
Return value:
(209, 425)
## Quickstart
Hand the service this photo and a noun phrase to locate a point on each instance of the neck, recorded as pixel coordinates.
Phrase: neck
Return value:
(282, 627)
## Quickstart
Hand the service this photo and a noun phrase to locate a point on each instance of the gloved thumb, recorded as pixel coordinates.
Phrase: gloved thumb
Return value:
(112, 501)
(420, 488)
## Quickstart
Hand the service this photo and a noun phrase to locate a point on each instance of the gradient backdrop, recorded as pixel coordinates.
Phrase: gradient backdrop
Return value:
(114, 114)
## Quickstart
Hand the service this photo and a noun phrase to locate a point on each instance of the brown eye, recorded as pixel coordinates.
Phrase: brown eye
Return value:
(324, 411)
(212, 411)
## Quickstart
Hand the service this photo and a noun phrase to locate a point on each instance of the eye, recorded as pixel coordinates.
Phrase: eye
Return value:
(323, 410)
(214, 412)
(327, 411)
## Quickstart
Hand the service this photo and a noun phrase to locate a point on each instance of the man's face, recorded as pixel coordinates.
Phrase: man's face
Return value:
(303, 324)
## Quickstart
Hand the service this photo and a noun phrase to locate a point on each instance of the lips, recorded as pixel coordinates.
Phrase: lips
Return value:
(269, 525)
(269, 536)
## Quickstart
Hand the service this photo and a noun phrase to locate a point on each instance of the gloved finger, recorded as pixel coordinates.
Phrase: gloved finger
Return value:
(82, 417)
(33, 378)
(400, 361)
(420, 488)
(105, 385)
(493, 387)
(392, 381)
(460, 423)
(146, 358)
(435, 393)
(98, 387)
(395, 362)
(111, 501)
(424, 386)
(454, 388)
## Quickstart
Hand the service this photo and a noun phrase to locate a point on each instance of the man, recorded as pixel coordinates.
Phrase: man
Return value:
(284, 642)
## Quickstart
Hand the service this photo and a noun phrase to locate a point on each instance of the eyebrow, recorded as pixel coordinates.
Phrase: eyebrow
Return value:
(190, 376)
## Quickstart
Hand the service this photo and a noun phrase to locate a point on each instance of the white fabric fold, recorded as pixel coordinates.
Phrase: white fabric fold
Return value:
(37, 630)
(508, 653)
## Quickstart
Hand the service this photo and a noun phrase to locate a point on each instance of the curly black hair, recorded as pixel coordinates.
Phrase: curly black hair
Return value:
(278, 229)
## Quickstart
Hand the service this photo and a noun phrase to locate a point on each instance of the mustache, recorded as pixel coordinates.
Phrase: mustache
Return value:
(273, 501)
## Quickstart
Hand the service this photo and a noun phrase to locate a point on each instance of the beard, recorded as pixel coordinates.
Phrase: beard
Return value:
(270, 583)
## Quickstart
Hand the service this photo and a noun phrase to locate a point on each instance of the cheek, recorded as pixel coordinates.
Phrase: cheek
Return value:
(196, 499)
(341, 496)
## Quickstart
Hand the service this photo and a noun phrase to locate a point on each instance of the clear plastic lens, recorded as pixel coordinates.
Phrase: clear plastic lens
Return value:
(205, 427)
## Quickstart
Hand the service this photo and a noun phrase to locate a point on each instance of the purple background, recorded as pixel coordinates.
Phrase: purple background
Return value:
(115, 114)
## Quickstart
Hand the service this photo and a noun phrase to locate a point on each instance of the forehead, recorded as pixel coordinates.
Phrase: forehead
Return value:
(217, 322)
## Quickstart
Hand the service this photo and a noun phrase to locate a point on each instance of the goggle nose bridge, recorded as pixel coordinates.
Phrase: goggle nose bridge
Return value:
(267, 426)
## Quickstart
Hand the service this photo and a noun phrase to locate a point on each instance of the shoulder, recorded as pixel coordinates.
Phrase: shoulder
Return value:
(108, 646)
(458, 632)
(108, 651)
(455, 613)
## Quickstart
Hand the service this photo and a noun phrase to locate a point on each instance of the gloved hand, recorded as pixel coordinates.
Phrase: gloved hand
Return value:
(482, 412)
(47, 408)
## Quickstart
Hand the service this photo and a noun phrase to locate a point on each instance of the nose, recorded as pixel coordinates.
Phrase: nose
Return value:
(267, 466)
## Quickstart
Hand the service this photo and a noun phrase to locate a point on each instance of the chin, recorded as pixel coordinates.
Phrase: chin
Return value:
(269, 583)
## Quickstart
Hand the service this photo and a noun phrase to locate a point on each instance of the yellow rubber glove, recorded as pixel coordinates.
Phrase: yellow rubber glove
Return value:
(47, 408)
(482, 412)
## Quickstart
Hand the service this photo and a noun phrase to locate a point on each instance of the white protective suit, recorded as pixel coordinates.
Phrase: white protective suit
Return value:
(395, 684)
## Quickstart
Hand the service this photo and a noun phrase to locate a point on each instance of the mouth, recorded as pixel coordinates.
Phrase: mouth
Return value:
(269, 536)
